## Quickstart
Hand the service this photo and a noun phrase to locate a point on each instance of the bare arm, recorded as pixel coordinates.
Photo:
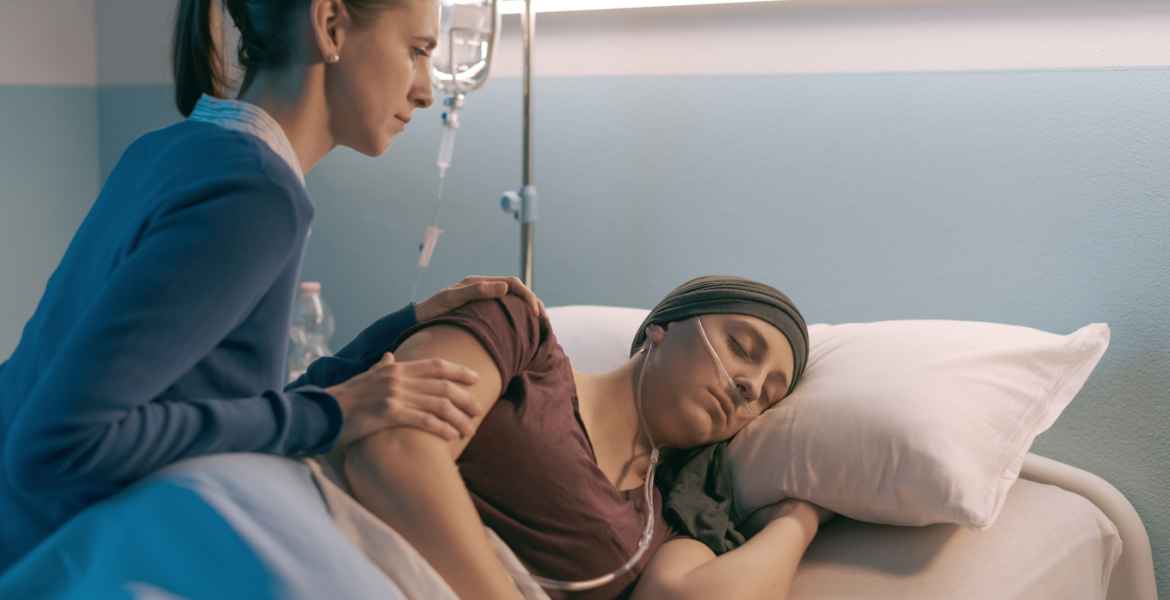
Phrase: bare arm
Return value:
(408, 478)
(762, 568)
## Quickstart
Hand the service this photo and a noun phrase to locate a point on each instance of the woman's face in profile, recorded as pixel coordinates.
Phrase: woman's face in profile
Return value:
(688, 401)
(383, 76)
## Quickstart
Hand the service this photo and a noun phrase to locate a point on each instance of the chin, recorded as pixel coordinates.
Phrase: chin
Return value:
(377, 148)
(372, 146)
(699, 429)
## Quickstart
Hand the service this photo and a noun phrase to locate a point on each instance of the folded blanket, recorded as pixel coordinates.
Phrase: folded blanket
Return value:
(241, 525)
(225, 526)
(391, 553)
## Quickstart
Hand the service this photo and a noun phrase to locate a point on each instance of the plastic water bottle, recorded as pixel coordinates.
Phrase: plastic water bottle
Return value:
(312, 326)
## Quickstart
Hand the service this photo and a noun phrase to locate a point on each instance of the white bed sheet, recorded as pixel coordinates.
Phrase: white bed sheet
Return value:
(1047, 543)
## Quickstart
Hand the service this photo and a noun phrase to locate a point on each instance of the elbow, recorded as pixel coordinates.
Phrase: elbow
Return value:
(48, 464)
(396, 456)
(32, 474)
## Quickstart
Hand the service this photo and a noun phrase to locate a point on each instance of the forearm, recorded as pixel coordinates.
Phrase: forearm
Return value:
(102, 449)
(408, 479)
(763, 568)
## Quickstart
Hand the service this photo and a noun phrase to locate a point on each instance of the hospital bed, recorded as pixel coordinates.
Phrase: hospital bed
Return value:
(259, 526)
(1064, 533)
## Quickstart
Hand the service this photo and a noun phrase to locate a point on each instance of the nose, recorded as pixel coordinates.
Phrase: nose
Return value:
(420, 93)
(422, 101)
(744, 388)
(749, 387)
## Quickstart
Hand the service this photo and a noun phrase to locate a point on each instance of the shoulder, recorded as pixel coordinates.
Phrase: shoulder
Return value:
(516, 338)
(198, 151)
(195, 163)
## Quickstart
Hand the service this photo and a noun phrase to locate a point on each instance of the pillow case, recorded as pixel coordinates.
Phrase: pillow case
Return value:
(596, 338)
(913, 422)
(908, 422)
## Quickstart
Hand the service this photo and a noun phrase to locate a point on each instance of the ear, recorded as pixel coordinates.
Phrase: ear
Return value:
(655, 333)
(329, 21)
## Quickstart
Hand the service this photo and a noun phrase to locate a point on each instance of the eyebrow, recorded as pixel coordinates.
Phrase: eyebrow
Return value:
(763, 342)
(431, 42)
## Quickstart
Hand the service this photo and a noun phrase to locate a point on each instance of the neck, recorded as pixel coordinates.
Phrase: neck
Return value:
(285, 96)
(608, 405)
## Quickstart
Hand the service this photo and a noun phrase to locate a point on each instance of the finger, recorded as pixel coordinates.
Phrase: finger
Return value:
(444, 409)
(411, 417)
(387, 359)
(488, 290)
(515, 286)
(481, 290)
(493, 280)
(437, 368)
(458, 395)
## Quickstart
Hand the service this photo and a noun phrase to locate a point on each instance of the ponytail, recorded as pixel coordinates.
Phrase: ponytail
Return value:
(267, 41)
(194, 59)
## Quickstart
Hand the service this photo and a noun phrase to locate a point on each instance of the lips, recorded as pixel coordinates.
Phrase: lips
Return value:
(724, 404)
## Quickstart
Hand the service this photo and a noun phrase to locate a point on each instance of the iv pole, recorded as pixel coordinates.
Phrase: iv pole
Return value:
(521, 204)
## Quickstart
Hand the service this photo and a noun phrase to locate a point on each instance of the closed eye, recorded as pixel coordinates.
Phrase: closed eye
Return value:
(735, 346)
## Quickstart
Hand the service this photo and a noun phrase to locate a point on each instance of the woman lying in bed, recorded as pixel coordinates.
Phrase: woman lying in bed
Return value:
(556, 459)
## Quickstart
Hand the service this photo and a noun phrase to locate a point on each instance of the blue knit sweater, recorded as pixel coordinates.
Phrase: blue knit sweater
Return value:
(163, 333)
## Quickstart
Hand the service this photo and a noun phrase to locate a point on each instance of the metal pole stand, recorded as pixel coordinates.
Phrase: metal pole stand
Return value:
(522, 204)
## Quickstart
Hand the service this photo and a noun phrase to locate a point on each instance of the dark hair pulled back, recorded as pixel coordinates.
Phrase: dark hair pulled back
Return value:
(266, 41)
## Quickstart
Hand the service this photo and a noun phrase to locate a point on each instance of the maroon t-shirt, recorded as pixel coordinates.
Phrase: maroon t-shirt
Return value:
(530, 467)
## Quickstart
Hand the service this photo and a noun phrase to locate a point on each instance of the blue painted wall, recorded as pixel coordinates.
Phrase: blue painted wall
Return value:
(1039, 198)
(48, 178)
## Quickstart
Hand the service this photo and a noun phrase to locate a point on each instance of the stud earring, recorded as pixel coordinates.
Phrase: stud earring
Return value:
(333, 58)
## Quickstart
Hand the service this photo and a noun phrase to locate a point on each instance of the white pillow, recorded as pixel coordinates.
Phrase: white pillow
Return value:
(913, 422)
(896, 422)
(596, 338)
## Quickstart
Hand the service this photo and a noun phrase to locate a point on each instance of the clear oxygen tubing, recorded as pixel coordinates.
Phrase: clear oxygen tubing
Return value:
(431, 234)
(647, 532)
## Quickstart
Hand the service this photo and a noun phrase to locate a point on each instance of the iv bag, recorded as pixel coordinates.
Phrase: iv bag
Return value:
(468, 33)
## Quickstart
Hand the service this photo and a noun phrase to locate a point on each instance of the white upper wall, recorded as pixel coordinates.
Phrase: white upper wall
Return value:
(815, 36)
(798, 36)
(48, 42)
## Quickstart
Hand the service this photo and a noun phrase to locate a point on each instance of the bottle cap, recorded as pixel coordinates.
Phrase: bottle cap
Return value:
(310, 286)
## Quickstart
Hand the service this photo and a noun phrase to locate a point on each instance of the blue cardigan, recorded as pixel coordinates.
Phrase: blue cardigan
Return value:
(163, 333)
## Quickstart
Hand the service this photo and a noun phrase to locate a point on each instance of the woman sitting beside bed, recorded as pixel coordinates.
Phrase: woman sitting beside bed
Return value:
(556, 459)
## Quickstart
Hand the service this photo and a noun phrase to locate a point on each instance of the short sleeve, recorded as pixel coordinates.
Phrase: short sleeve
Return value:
(507, 328)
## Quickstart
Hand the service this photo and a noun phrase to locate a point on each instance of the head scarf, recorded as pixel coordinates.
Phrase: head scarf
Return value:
(721, 294)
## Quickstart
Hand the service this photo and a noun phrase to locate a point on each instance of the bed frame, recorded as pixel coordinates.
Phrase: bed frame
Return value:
(1133, 576)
